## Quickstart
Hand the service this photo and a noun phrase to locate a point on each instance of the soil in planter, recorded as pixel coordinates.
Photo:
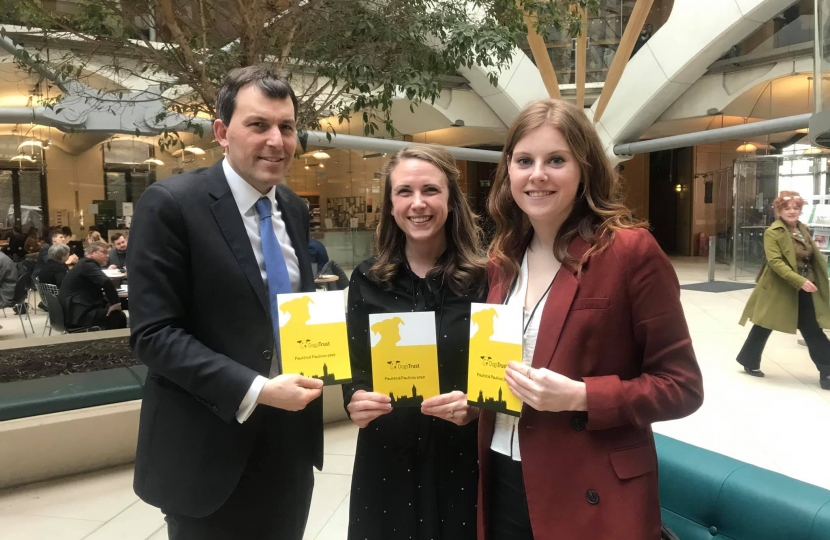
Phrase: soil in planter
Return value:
(77, 357)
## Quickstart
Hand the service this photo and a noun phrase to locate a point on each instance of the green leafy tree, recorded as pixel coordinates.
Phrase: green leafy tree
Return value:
(343, 57)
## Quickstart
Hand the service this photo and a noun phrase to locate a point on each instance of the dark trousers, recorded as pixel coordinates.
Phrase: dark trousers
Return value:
(113, 321)
(509, 516)
(817, 343)
(272, 499)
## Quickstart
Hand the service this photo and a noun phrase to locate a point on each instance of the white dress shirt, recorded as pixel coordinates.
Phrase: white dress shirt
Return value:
(506, 435)
(246, 197)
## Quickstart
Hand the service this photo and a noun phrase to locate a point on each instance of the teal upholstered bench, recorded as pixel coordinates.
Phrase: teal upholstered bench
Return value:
(705, 495)
(21, 399)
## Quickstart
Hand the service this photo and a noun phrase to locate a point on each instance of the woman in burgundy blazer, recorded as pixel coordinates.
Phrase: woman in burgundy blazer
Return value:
(612, 348)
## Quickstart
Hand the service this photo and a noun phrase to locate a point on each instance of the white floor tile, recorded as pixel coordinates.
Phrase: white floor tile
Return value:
(41, 528)
(341, 438)
(338, 464)
(329, 492)
(98, 496)
(137, 522)
(160, 534)
(338, 526)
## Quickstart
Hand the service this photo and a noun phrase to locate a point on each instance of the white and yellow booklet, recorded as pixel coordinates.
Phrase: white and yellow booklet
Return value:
(313, 337)
(495, 340)
(404, 357)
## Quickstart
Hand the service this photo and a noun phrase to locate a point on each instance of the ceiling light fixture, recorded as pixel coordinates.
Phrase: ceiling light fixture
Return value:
(746, 148)
(33, 144)
(23, 157)
(319, 154)
(153, 161)
(195, 150)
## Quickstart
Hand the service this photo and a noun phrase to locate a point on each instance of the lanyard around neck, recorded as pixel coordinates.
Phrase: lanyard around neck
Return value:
(533, 312)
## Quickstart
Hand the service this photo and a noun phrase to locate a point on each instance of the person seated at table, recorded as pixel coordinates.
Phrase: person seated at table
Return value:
(55, 236)
(51, 236)
(55, 268)
(117, 259)
(81, 293)
(17, 241)
(68, 236)
(319, 255)
(32, 244)
(8, 280)
(93, 236)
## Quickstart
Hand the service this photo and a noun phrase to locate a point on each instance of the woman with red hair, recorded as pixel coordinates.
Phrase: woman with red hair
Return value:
(792, 291)
(606, 350)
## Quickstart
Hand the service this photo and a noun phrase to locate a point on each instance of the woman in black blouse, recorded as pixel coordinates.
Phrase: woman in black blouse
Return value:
(415, 473)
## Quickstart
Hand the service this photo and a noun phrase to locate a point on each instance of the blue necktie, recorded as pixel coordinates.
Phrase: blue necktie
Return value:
(275, 268)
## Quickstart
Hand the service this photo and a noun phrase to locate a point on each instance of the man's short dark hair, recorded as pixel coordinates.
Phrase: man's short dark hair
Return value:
(268, 82)
(55, 231)
(115, 237)
(66, 231)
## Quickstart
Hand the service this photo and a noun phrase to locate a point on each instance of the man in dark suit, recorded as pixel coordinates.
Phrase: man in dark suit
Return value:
(226, 444)
(87, 295)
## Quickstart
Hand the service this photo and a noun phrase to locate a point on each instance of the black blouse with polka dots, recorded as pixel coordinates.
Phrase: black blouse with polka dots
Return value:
(415, 476)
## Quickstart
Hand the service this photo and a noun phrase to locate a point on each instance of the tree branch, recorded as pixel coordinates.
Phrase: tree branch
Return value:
(206, 89)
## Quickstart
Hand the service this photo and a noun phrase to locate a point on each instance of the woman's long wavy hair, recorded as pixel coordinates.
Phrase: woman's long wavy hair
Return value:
(597, 211)
(463, 264)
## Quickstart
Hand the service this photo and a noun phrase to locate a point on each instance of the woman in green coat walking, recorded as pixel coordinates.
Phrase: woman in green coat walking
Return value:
(793, 291)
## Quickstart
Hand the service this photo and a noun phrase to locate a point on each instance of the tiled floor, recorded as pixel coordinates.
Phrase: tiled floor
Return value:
(779, 422)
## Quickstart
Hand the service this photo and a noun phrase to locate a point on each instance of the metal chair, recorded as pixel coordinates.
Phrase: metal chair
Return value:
(56, 319)
(42, 289)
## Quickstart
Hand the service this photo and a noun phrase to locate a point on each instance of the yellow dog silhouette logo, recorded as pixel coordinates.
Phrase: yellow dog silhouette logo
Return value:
(310, 347)
(406, 373)
(488, 361)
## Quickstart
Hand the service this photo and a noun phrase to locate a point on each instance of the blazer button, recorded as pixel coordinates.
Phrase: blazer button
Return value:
(577, 423)
(266, 355)
(592, 497)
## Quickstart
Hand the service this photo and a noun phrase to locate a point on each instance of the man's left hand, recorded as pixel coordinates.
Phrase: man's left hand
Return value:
(114, 307)
(546, 390)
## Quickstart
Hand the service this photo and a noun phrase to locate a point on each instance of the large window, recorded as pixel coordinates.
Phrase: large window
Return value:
(21, 198)
(605, 29)
(791, 29)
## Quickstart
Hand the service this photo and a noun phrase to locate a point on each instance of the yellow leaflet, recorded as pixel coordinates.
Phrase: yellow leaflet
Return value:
(313, 338)
(404, 357)
(495, 340)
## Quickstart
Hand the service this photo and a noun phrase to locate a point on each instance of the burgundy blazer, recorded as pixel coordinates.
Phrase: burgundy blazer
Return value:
(619, 328)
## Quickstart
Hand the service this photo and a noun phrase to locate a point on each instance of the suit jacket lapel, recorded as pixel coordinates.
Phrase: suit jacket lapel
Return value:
(558, 306)
(226, 213)
(554, 315)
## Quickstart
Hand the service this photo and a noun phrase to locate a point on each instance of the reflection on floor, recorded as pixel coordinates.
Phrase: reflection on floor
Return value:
(779, 422)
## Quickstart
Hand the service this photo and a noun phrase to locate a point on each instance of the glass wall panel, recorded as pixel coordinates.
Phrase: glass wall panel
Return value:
(793, 27)
(758, 181)
(605, 29)
(344, 192)
(6, 200)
